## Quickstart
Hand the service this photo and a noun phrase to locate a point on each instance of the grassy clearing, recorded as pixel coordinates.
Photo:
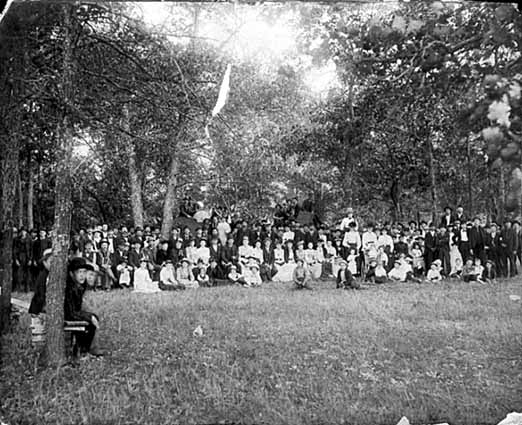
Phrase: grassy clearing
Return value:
(435, 353)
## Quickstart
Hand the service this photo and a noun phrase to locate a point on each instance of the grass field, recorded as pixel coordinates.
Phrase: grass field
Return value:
(272, 355)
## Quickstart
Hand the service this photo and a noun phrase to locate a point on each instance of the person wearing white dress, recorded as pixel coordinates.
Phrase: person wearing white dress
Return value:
(312, 262)
(142, 281)
(167, 280)
(245, 252)
(203, 252)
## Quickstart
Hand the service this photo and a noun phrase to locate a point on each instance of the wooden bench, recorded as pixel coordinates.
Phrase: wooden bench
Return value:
(38, 335)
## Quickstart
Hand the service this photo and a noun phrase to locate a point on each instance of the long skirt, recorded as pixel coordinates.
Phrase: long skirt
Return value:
(285, 273)
(455, 260)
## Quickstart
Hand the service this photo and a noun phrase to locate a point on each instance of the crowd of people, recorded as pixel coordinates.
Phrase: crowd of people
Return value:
(227, 249)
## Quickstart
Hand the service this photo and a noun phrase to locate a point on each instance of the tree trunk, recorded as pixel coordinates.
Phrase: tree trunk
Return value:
(55, 343)
(135, 183)
(10, 151)
(470, 180)
(20, 196)
(502, 195)
(170, 198)
(433, 180)
(30, 195)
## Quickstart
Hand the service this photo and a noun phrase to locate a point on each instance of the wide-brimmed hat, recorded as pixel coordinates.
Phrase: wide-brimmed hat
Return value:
(78, 263)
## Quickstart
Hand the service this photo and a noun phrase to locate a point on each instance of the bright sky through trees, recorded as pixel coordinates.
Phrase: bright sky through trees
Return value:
(270, 42)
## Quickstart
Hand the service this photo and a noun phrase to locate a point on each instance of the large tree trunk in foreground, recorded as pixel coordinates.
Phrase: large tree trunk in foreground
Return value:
(170, 198)
(7, 222)
(135, 182)
(30, 195)
(55, 354)
(20, 193)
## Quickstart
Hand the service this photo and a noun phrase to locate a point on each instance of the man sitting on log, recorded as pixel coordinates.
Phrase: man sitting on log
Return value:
(74, 290)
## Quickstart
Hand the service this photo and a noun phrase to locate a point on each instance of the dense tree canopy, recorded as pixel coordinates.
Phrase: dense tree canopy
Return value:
(425, 110)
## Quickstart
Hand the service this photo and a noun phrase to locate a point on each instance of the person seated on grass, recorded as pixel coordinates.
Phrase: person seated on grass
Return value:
(301, 276)
(434, 274)
(185, 276)
(418, 259)
(456, 270)
(489, 275)
(251, 272)
(468, 271)
(479, 269)
(406, 264)
(381, 276)
(124, 271)
(214, 272)
(203, 253)
(202, 277)
(142, 281)
(312, 262)
(397, 273)
(235, 277)
(345, 278)
(167, 281)
(74, 291)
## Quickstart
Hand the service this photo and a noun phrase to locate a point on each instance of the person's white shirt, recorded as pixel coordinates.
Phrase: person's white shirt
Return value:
(167, 275)
(385, 240)
(244, 252)
(288, 236)
(367, 238)
(345, 222)
(143, 281)
(464, 234)
(223, 229)
(203, 253)
(397, 274)
(352, 237)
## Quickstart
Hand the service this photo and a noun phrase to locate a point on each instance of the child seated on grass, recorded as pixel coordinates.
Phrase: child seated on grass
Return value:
(301, 276)
(236, 277)
(251, 273)
(345, 278)
(489, 275)
(468, 271)
(142, 281)
(456, 270)
(376, 273)
(418, 260)
(397, 274)
(479, 269)
(434, 274)
(202, 278)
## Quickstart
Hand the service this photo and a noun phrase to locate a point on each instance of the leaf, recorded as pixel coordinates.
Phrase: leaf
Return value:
(499, 112)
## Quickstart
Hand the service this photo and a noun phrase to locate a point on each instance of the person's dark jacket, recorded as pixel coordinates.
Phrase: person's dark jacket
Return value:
(476, 236)
(73, 302)
(38, 302)
(349, 277)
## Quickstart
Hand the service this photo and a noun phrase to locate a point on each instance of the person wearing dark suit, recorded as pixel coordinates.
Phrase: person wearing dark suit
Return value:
(493, 246)
(477, 236)
(443, 249)
(430, 247)
(459, 215)
(119, 256)
(267, 268)
(229, 255)
(447, 218)
(345, 279)
(508, 250)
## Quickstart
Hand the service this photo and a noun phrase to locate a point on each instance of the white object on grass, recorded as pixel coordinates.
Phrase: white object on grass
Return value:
(198, 331)
(513, 418)
(514, 298)
(404, 421)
